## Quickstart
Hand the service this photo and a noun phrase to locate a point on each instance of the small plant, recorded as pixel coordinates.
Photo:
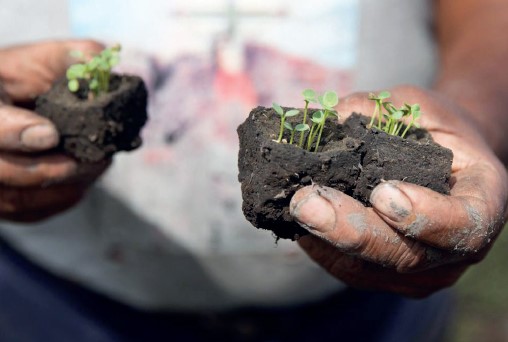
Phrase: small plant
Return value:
(96, 72)
(309, 96)
(379, 98)
(394, 117)
(283, 115)
(327, 101)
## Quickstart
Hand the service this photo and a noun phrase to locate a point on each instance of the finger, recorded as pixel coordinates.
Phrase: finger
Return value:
(24, 131)
(34, 204)
(356, 230)
(29, 70)
(24, 171)
(358, 273)
(466, 221)
(45, 170)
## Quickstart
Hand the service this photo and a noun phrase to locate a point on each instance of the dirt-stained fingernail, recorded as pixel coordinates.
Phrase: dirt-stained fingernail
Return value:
(314, 213)
(387, 199)
(39, 137)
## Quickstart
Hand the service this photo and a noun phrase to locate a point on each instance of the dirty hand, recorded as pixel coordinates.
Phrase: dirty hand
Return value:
(35, 182)
(412, 241)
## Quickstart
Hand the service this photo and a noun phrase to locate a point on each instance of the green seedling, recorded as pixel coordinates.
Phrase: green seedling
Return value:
(392, 121)
(283, 117)
(309, 96)
(96, 72)
(379, 98)
(393, 117)
(415, 113)
(316, 119)
(329, 100)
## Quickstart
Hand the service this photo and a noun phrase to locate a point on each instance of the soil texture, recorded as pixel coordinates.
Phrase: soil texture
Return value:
(94, 129)
(351, 158)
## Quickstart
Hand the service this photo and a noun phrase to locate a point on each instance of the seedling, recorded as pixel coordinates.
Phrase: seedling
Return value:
(415, 113)
(379, 98)
(327, 101)
(283, 117)
(309, 96)
(394, 117)
(96, 72)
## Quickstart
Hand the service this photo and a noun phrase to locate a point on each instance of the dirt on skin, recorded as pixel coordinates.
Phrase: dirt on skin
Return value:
(351, 158)
(92, 130)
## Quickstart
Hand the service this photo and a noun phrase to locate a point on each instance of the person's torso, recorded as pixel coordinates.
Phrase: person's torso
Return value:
(164, 227)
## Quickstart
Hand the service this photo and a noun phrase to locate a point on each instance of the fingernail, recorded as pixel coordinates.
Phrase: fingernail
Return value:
(313, 212)
(387, 199)
(39, 137)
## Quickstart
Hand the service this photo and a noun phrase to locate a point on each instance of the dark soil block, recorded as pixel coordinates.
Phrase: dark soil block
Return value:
(92, 130)
(352, 159)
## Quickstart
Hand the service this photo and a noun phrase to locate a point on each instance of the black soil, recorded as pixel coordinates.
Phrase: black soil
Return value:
(352, 159)
(92, 130)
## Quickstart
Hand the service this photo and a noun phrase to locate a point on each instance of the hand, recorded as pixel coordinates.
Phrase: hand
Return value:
(412, 241)
(35, 182)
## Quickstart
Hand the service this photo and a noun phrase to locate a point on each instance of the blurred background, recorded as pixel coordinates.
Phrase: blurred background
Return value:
(482, 299)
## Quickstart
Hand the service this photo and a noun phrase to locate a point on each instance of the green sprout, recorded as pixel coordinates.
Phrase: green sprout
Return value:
(393, 117)
(415, 113)
(377, 110)
(309, 96)
(96, 72)
(283, 117)
(329, 100)
(316, 119)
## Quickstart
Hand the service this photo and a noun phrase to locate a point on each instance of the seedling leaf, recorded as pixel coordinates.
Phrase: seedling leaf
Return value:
(317, 117)
(278, 109)
(302, 127)
(309, 95)
(292, 112)
(73, 85)
(330, 99)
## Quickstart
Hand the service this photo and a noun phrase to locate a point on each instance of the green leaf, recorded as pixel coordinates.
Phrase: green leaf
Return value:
(317, 117)
(415, 108)
(309, 95)
(287, 125)
(292, 112)
(397, 115)
(330, 99)
(416, 124)
(417, 115)
(278, 109)
(114, 61)
(390, 108)
(384, 95)
(94, 84)
(76, 71)
(73, 85)
(94, 63)
(302, 127)
(104, 65)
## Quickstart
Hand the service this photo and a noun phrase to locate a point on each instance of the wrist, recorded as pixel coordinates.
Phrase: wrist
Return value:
(484, 105)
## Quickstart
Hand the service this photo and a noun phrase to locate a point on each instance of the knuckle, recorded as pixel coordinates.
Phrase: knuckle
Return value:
(477, 234)
(410, 256)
